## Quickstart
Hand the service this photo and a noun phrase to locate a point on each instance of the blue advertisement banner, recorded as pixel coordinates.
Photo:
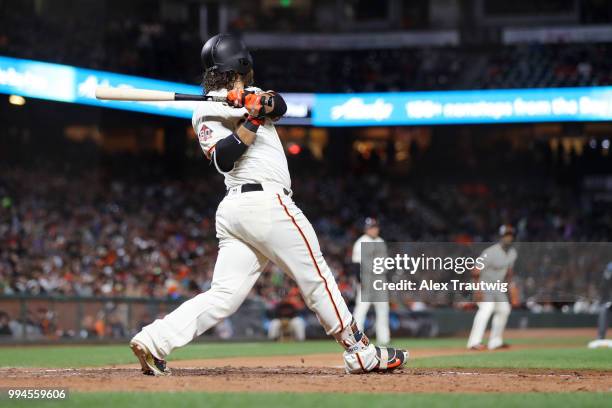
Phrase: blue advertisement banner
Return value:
(463, 107)
(77, 85)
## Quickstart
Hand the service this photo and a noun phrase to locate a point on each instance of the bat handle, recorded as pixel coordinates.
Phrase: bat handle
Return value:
(188, 97)
(216, 98)
(212, 98)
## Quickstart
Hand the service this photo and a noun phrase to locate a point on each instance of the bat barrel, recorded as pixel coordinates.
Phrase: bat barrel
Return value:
(132, 94)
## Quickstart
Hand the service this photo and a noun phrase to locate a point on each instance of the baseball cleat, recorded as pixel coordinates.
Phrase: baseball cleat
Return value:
(150, 365)
(390, 358)
(600, 343)
(477, 347)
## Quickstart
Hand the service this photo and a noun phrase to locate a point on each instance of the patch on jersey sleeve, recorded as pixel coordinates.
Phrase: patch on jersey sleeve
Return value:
(204, 134)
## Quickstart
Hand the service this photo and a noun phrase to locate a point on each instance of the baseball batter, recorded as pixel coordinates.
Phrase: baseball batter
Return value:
(371, 234)
(498, 262)
(256, 222)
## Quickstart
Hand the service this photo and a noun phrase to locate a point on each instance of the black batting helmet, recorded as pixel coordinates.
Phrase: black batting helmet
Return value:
(226, 52)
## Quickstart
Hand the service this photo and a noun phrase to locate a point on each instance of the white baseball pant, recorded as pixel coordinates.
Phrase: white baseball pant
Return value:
(500, 312)
(252, 228)
(383, 336)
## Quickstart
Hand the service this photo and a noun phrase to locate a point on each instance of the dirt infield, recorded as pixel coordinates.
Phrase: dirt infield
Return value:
(310, 379)
(317, 373)
(309, 373)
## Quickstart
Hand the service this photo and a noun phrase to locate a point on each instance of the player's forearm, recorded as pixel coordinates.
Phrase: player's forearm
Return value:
(227, 151)
(231, 148)
(246, 135)
(274, 107)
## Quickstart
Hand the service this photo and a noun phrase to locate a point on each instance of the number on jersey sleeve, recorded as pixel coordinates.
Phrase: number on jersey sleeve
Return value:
(209, 133)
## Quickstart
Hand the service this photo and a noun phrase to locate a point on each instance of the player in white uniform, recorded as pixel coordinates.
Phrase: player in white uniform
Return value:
(256, 222)
(371, 234)
(498, 262)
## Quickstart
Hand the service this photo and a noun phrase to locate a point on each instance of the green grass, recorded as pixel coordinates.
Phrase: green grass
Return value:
(105, 355)
(94, 355)
(283, 400)
(555, 358)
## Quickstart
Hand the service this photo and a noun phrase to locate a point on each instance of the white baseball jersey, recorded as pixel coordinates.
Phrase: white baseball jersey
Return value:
(264, 161)
(357, 247)
(497, 261)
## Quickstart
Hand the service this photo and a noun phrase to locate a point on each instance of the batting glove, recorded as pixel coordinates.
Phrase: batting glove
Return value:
(236, 97)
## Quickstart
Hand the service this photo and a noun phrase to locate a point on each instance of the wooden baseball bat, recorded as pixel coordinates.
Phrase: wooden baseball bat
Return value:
(133, 94)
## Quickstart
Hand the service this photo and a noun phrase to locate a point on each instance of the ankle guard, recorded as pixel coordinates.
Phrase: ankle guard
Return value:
(352, 339)
(361, 357)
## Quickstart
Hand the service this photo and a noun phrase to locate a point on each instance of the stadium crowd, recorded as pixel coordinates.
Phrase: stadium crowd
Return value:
(77, 222)
(60, 236)
(89, 235)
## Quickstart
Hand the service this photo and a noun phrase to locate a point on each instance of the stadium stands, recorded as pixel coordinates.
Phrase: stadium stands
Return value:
(90, 232)
(169, 51)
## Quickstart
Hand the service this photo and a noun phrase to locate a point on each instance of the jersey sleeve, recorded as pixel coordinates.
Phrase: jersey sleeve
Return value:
(209, 123)
(484, 258)
(356, 257)
(209, 133)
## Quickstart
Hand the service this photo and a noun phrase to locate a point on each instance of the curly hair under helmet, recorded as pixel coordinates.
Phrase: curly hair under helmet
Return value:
(213, 80)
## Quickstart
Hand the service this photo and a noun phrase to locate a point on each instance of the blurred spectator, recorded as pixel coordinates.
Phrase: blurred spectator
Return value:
(5, 329)
(546, 65)
(115, 327)
(88, 328)
(286, 321)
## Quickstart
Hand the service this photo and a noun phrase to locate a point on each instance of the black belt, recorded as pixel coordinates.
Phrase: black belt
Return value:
(247, 188)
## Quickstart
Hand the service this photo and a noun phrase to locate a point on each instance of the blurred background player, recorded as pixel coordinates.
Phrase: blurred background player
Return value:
(498, 262)
(605, 303)
(371, 234)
